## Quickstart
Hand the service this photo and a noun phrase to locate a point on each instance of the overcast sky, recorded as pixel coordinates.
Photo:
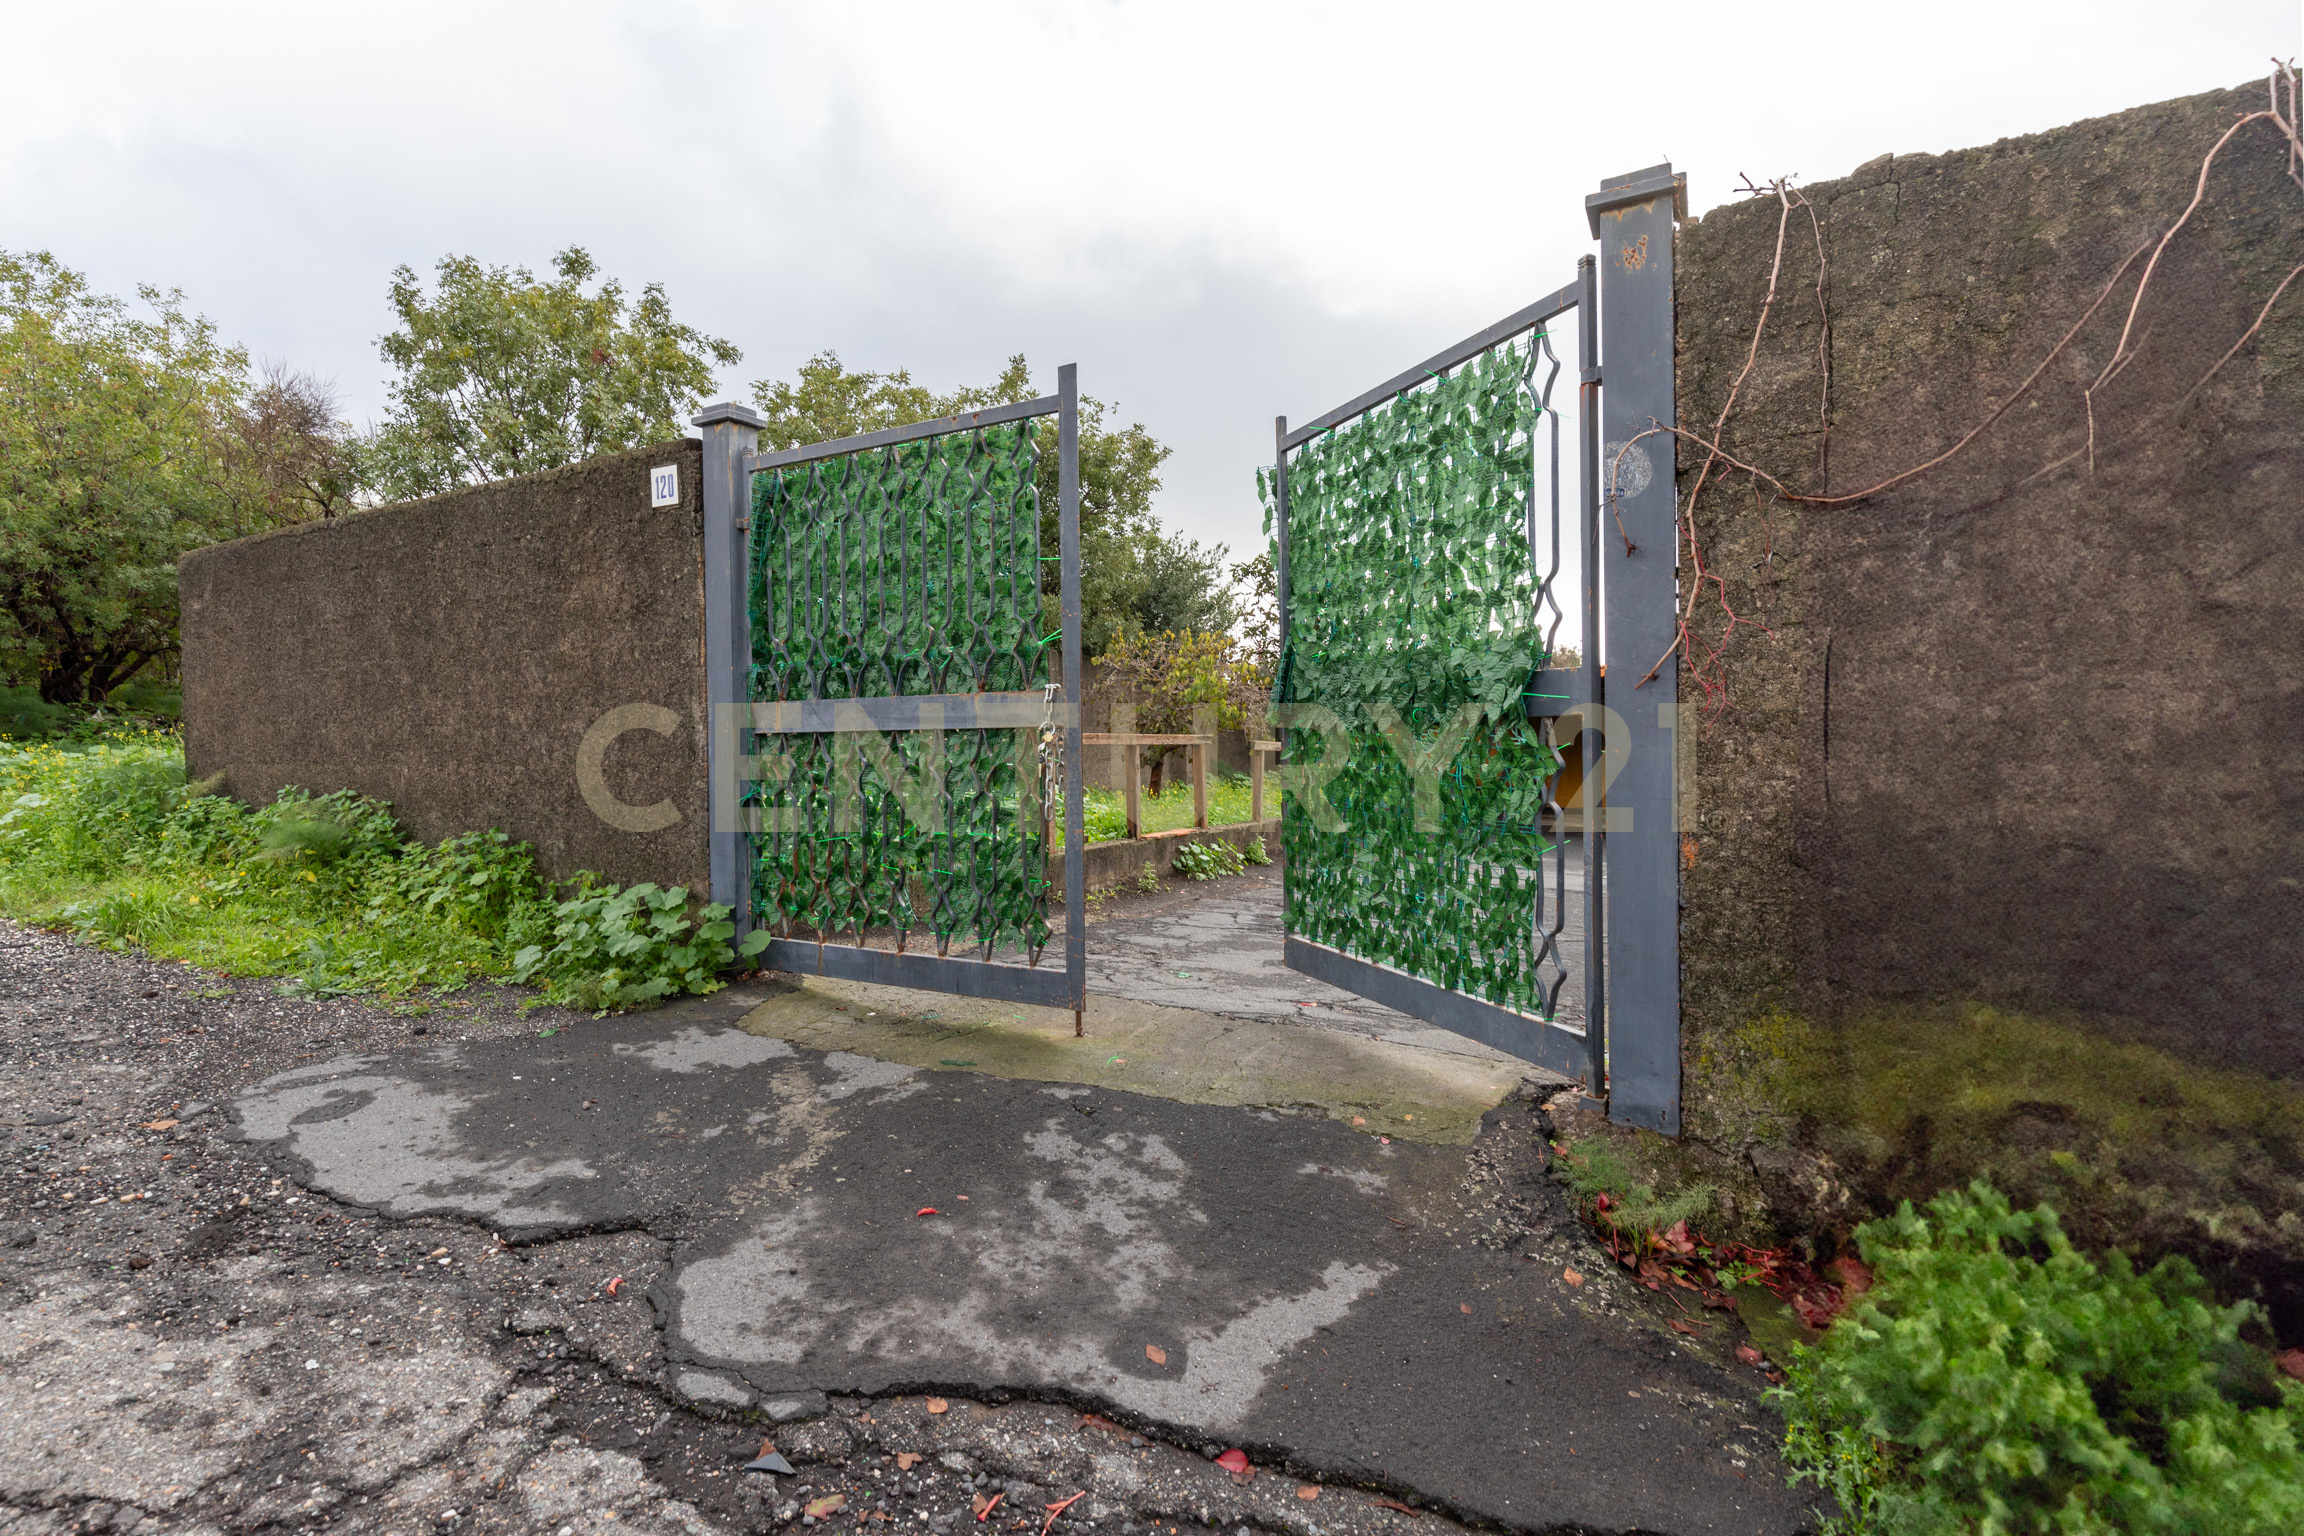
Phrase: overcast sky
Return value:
(1220, 211)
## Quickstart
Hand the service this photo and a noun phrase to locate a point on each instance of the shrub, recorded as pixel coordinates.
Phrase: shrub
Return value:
(1206, 861)
(629, 947)
(1997, 1380)
(110, 843)
(1255, 852)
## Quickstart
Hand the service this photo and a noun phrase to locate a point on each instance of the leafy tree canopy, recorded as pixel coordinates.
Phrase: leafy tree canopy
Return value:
(127, 438)
(115, 458)
(1135, 577)
(501, 374)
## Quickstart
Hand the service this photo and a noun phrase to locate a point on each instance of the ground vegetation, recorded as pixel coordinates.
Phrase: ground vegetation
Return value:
(326, 894)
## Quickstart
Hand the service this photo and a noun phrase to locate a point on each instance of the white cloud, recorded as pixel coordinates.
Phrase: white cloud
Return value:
(1221, 211)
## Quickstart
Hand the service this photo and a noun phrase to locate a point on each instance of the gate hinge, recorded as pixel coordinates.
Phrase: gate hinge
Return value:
(1590, 375)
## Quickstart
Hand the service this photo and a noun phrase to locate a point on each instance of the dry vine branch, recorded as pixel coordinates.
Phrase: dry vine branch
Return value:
(2245, 337)
(1684, 638)
(2291, 127)
(2121, 355)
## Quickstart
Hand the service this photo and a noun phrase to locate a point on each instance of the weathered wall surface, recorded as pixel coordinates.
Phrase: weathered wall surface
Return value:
(450, 656)
(2029, 730)
(1994, 847)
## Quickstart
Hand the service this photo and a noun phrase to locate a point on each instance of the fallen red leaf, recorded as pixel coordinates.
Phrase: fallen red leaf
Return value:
(1854, 1275)
(907, 1460)
(1058, 1508)
(615, 1285)
(2290, 1362)
(1718, 1301)
(161, 1125)
(1234, 1461)
(1748, 1354)
(927, 1210)
(1396, 1504)
(986, 1504)
(1687, 1328)
(1155, 1354)
(1817, 1305)
(1098, 1421)
(1572, 1276)
(831, 1503)
(937, 1405)
(1307, 1492)
(1676, 1238)
(1464, 1307)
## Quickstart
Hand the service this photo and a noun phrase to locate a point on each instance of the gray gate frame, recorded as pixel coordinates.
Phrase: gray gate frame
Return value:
(1629, 1050)
(731, 458)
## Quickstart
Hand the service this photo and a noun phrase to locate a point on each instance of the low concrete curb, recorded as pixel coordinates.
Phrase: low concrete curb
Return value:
(1126, 859)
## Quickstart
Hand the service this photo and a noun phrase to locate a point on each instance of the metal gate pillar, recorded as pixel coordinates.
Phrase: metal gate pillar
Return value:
(731, 434)
(1632, 217)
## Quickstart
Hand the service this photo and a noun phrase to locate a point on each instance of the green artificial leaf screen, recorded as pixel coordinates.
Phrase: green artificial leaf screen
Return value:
(1418, 790)
(905, 570)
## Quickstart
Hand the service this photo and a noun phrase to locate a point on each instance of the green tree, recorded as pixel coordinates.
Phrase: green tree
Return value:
(1135, 577)
(117, 454)
(501, 374)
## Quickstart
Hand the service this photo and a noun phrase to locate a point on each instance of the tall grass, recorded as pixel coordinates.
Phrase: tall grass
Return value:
(108, 841)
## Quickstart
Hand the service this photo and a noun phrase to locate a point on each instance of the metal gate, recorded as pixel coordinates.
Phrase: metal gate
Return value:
(1418, 542)
(889, 737)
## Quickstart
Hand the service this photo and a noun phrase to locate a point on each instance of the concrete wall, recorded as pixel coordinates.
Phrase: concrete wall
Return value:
(452, 655)
(2023, 732)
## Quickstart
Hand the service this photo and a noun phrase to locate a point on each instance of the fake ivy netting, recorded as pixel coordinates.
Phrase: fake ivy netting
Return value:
(1418, 789)
(905, 570)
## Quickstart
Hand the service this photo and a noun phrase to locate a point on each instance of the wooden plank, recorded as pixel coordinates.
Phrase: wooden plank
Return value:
(1132, 739)
(1132, 783)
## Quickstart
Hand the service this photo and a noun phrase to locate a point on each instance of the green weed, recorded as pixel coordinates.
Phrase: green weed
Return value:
(1618, 1199)
(1997, 1380)
(1208, 860)
(627, 948)
(107, 841)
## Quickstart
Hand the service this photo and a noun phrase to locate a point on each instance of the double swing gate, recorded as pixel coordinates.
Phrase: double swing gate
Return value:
(890, 739)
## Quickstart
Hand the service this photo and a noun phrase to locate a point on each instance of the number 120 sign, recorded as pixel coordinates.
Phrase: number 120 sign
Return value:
(664, 486)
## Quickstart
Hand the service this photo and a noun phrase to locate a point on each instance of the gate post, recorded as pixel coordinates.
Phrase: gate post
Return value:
(731, 436)
(1632, 217)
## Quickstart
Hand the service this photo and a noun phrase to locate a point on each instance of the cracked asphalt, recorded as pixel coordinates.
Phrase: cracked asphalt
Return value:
(293, 1264)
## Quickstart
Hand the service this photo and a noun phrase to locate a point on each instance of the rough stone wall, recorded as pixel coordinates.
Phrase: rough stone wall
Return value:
(2025, 730)
(451, 655)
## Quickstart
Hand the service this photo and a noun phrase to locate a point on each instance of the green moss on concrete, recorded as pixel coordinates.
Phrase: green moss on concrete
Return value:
(1375, 1086)
(2137, 1150)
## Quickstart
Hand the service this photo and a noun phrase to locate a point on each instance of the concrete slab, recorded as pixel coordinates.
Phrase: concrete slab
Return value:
(1218, 948)
(1184, 1054)
(1388, 1311)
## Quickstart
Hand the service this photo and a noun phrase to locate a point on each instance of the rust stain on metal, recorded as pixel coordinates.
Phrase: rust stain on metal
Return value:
(1635, 255)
